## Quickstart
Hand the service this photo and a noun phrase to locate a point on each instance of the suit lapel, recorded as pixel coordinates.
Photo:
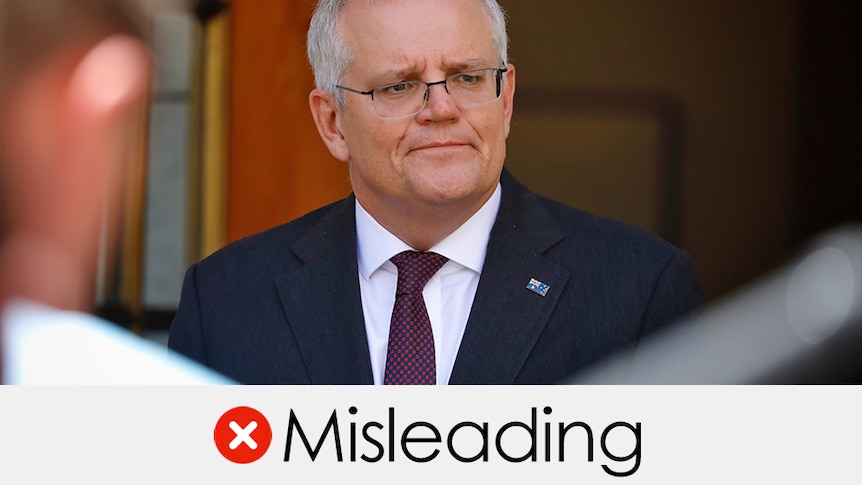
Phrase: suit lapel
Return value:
(507, 317)
(322, 302)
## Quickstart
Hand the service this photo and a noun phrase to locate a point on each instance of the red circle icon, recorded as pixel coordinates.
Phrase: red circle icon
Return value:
(242, 435)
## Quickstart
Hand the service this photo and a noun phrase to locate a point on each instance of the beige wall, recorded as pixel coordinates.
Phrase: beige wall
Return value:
(729, 65)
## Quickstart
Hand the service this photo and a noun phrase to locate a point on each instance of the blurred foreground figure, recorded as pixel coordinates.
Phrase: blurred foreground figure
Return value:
(74, 78)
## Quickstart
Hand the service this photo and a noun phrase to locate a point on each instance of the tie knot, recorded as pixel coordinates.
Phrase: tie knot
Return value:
(416, 268)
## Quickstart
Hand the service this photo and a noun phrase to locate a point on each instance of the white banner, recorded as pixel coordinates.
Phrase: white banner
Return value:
(559, 434)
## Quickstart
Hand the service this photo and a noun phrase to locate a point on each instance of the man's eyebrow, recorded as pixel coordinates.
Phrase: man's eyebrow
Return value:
(394, 75)
(412, 72)
(468, 65)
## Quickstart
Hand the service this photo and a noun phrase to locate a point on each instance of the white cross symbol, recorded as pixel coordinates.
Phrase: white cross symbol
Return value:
(243, 435)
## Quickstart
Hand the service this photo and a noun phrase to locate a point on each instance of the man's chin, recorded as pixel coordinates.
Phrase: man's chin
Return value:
(458, 190)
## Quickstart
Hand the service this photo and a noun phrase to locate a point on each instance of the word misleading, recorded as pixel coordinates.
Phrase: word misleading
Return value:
(466, 441)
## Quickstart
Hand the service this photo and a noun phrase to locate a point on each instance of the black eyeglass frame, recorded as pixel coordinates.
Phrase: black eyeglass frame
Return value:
(499, 85)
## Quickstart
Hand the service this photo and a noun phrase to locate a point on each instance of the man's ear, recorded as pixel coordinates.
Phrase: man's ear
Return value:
(509, 96)
(326, 117)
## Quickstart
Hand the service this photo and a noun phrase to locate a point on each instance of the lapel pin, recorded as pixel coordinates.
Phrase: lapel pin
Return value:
(538, 287)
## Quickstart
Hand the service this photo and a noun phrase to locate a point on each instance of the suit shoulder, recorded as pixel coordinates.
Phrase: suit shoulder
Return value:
(606, 249)
(534, 215)
(267, 249)
(606, 234)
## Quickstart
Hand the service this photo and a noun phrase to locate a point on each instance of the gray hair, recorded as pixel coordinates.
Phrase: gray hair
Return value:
(330, 56)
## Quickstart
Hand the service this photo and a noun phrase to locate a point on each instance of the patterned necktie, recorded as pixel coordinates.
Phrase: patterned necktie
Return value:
(410, 353)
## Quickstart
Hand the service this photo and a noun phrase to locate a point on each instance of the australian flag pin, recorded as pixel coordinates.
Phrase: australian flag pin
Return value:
(538, 287)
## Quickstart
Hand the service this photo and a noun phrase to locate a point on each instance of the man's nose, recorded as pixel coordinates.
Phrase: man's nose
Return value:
(439, 105)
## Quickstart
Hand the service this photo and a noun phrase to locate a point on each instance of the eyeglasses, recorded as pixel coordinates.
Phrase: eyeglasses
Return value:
(408, 98)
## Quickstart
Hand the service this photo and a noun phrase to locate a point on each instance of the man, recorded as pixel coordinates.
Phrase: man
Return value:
(417, 98)
(75, 77)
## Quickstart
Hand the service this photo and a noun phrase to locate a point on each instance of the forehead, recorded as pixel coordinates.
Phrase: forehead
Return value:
(416, 35)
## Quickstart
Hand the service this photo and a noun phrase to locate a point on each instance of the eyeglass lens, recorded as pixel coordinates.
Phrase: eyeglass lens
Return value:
(408, 98)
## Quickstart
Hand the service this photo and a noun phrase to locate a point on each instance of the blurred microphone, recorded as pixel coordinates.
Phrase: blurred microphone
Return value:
(800, 324)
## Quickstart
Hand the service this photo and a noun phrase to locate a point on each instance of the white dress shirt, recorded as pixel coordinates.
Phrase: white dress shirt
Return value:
(448, 295)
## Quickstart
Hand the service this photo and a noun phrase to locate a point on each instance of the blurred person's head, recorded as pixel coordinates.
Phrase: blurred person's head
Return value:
(73, 80)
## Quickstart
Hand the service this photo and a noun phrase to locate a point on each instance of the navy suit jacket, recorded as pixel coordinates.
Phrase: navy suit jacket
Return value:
(283, 306)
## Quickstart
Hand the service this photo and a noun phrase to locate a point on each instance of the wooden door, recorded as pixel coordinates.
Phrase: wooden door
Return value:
(278, 168)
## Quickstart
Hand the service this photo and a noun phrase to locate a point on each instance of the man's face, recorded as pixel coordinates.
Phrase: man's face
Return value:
(445, 155)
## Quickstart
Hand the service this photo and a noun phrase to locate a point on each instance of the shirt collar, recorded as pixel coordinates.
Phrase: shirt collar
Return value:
(466, 246)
